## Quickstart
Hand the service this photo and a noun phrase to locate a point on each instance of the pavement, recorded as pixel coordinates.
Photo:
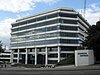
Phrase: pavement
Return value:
(59, 68)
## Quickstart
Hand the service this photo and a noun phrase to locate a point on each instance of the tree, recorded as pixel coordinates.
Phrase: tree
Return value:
(93, 39)
(1, 49)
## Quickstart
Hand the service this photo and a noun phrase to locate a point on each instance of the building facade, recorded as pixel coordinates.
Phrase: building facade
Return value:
(48, 37)
(5, 57)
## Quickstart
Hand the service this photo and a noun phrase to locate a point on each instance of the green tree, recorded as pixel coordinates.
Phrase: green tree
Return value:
(1, 49)
(93, 39)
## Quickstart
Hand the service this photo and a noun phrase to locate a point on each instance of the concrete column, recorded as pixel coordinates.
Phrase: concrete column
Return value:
(46, 56)
(11, 57)
(18, 56)
(58, 54)
(26, 56)
(35, 56)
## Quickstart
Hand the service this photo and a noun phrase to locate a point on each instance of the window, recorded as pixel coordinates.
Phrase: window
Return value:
(54, 41)
(65, 34)
(22, 50)
(15, 55)
(52, 15)
(53, 55)
(67, 10)
(41, 49)
(51, 28)
(41, 18)
(15, 60)
(63, 55)
(31, 20)
(52, 49)
(68, 21)
(36, 25)
(68, 28)
(35, 19)
(52, 61)
(69, 41)
(65, 48)
(32, 50)
(68, 15)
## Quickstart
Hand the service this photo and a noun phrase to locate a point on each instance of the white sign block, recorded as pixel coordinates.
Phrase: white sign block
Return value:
(84, 57)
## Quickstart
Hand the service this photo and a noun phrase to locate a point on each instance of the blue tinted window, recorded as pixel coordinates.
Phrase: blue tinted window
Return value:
(54, 41)
(53, 55)
(41, 18)
(36, 19)
(52, 15)
(68, 28)
(68, 21)
(64, 34)
(68, 15)
(52, 61)
(36, 25)
(68, 41)
(63, 55)
(31, 20)
(67, 10)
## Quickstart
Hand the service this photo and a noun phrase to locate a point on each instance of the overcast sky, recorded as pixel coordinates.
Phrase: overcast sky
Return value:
(10, 10)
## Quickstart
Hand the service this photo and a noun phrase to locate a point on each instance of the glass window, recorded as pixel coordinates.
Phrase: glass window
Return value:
(15, 60)
(52, 49)
(65, 34)
(68, 28)
(69, 41)
(54, 41)
(32, 50)
(52, 15)
(67, 10)
(52, 61)
(68, 21)
(63, 55)
(41, 18)
(15, 55)
(65, 48)
(31, 20)
(82, 24)
(36, 25)
(51, 28)
(68, 15)
(15, 50)
(53, 55)
(41, 49)
(22, 50)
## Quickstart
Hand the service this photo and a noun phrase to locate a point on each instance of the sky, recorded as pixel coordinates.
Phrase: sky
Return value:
(11, 10)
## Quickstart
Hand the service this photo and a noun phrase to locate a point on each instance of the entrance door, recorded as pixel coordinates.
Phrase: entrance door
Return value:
(40, 59)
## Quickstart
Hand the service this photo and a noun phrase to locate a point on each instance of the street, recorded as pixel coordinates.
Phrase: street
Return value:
(60, 72)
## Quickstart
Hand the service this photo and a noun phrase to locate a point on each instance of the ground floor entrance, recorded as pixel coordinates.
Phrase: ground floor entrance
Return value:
(42, 55)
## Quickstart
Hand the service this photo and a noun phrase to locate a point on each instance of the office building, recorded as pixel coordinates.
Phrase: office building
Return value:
(48, 37)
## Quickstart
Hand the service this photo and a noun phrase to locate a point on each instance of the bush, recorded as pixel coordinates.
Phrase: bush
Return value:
(67, 61)
(28, 65)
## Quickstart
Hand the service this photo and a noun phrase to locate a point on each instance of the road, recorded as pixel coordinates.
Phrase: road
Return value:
(27, 72)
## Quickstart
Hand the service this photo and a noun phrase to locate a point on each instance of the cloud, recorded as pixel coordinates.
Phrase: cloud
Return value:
(21, 5)
(5, 29)
(16, 5)
(45, 1)
(92, 13)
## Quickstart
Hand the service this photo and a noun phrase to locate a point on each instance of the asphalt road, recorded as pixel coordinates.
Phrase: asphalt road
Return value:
(27, 72)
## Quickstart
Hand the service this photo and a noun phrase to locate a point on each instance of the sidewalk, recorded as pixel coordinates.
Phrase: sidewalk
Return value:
(60, 68)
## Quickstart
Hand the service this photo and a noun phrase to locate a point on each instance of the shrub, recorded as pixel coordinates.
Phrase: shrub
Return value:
(67, 61)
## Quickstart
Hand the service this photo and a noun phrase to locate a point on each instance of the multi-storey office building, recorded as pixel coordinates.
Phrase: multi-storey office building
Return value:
(48, 37)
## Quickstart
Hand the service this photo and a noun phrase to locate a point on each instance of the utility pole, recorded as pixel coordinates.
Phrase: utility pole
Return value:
(84, 8)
